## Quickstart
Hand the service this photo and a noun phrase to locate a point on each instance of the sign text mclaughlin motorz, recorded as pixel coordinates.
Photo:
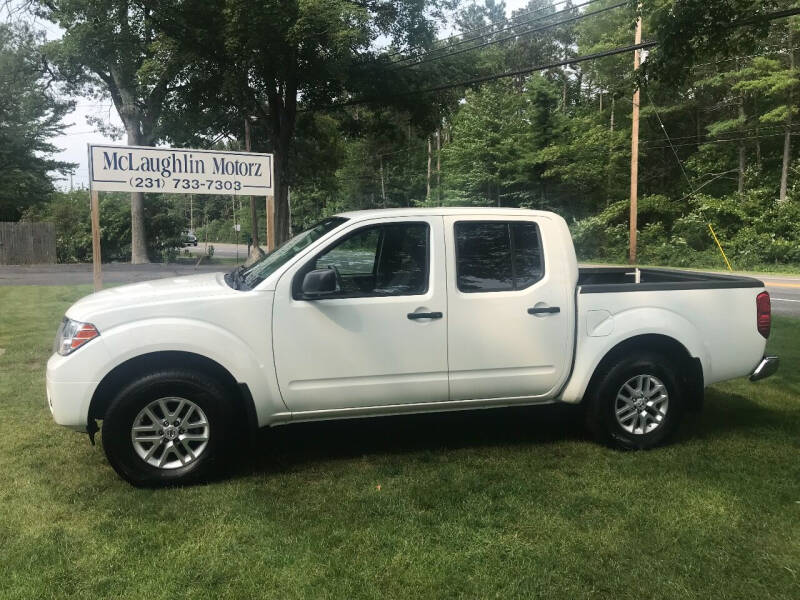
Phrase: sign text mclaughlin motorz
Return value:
(175, 170)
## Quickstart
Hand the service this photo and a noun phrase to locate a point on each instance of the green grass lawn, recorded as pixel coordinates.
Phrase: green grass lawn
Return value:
(508, 503)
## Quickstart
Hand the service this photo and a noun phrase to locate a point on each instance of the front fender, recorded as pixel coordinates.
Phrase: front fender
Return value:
(116, 345)
(628, 324)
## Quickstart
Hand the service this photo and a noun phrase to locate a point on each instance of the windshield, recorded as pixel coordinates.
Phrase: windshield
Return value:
(248, 277)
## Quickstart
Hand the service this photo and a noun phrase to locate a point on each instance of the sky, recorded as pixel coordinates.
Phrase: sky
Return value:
(78, 134)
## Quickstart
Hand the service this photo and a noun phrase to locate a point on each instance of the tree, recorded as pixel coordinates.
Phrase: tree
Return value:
(30, 115)
(498, 136)
(277, 58)
(690, 31)
(112, 47)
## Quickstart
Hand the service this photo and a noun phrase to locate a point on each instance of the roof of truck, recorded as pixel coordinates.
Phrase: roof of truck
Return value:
(445, 211)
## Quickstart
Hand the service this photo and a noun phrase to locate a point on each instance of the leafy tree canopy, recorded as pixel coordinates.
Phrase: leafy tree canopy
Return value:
(30, 116)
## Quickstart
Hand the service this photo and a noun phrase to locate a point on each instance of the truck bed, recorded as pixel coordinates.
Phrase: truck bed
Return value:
(594, 280)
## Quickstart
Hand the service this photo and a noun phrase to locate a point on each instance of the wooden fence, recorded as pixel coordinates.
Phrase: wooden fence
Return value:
(27, 243)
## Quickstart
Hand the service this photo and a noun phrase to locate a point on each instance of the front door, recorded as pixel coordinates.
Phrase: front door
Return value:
(510, 310)
(381, 338)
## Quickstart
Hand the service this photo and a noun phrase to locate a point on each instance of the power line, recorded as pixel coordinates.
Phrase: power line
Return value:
(742, 130)
(719, 141)
(486, 36)
(483, 27)
(487, 78)
(516, 35)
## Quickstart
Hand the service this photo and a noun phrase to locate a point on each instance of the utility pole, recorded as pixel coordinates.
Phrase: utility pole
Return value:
(255, 250)
(635, 149)
(787, 139)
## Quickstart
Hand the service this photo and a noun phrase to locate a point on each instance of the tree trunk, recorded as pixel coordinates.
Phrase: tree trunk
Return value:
(281, 112)
(430, 159)
(138, 228)
(439, 166)
(758, 147)
(742, 157)
(613, 101)
(255, 248)
(383, 184)
(282, 232)
(787, 136)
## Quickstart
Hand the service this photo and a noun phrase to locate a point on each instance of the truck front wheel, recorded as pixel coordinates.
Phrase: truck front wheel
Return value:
(166, 428)
(637, 402)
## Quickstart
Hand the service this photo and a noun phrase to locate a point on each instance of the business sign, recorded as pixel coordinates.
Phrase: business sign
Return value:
(179, 171)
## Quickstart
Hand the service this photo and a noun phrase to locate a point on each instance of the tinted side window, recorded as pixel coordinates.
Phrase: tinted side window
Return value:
(483, 252)
(384, 260)
(495, 256)
(528, 263)
(355, 255)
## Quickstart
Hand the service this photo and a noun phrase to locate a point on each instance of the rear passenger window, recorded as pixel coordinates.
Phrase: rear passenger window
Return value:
(496, 256)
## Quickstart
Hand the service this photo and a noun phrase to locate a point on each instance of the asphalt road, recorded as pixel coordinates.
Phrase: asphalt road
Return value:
(221, 250)
(785, 294)
(112, 273)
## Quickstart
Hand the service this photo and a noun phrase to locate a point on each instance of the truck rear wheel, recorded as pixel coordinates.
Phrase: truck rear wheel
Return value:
(637, 402)
(167, 428)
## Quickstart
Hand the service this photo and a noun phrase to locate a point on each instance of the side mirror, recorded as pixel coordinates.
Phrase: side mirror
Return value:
(319, 283)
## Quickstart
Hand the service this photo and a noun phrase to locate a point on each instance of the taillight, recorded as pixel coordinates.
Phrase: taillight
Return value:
(763, 314)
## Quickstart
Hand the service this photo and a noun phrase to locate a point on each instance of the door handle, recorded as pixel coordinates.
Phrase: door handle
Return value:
(430, 315)
(542, 310)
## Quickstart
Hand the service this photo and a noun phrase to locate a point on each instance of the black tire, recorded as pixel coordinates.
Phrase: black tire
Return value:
(205, 392)
(602, 402)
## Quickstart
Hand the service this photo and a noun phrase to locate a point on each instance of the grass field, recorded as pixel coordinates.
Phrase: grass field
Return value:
(504, 504)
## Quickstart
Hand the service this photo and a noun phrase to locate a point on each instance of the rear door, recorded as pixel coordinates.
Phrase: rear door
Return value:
(510, 310)
(381, 339)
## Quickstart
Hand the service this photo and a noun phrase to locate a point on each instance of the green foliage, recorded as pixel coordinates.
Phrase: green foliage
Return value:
(30, 115)
(497, 138)
(755, 231)
(70, 211)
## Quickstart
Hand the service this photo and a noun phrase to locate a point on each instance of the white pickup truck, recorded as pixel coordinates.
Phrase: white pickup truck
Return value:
(397, 311)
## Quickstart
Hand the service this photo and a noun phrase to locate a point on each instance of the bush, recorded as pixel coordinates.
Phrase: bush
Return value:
(70, 211)
(754, 230)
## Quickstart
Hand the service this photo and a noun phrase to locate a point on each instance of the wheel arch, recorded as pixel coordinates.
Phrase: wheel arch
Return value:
(689, 368)
(128, 370)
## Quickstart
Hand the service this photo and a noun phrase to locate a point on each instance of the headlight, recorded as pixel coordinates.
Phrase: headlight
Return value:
(72, 335)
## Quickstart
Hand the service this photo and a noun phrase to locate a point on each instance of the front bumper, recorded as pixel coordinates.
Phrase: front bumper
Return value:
(767, 367)
(68, 400)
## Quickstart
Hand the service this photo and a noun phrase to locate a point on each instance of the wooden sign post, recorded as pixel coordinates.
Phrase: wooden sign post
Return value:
(172, 171)
(97, 263)
(270, 223)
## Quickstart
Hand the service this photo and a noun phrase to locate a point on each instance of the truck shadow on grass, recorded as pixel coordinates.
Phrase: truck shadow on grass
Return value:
(293, 446)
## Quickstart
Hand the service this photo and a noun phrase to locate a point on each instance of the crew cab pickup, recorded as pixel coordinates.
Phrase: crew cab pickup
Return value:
(397, 311)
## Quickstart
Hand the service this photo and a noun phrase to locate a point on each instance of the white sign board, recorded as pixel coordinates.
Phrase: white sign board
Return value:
(179, 171)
